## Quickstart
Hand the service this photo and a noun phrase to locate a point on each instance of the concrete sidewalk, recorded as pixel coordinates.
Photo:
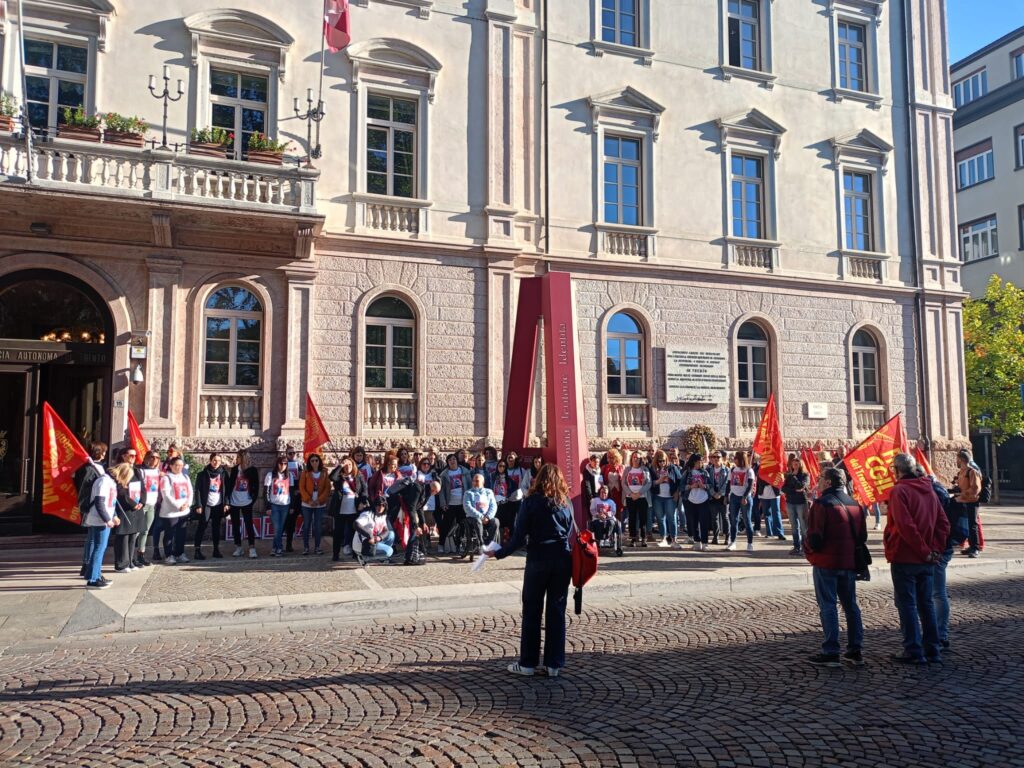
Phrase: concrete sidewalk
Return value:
(41, 596)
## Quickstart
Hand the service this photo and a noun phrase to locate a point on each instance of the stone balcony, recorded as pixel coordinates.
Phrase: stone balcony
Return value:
(160, 175)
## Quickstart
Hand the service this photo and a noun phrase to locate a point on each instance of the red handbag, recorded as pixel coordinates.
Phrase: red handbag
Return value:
(584, 563)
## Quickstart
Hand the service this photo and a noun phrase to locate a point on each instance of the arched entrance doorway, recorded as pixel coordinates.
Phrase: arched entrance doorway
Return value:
(56, 345)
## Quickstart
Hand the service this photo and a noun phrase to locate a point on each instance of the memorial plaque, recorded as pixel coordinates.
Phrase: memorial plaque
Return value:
(697, 374)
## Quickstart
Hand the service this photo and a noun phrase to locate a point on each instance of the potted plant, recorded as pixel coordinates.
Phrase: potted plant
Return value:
(208, 142)
(124, 131)
(266, 150)
(8, 111)
(79, 126)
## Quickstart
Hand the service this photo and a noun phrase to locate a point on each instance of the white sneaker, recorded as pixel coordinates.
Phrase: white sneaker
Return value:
(877, 526)
(696, 546)
(731, 547)
(663, 543)
(183, 558)
(750, 547)
(689, 540)
(703, 547)
(238, 552)
(515, 669)
(347, 549)
(170, 560)
(252, 553)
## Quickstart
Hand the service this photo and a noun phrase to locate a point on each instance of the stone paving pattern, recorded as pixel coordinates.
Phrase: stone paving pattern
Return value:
(708, 682)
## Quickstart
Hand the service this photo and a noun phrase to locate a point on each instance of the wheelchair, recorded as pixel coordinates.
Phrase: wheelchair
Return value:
(464, 539)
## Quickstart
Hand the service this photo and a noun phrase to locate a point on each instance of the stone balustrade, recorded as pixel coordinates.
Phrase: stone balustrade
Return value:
(629, 417)
(868, 418)
(389, 412)
(230, 410)
(866, 269)
(750, 417)
(763, 257)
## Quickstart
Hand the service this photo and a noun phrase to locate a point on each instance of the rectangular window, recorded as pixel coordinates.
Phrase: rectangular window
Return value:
(752, 365)
(1018, 144)
(391, 146)
(1020, 225)
(865, 376)
(858, 210)
(852, 56)
(619, 21)
(747, 197)
(232, 352)
(389, 357)
(56, 76)
(1018, 65)
(238, 104)
(745, 34)
(975, 165)
(979, 239)
(622, 181)
(970, 88)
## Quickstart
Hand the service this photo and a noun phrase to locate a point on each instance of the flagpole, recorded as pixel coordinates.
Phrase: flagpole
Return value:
(25, 127)
(320, 86)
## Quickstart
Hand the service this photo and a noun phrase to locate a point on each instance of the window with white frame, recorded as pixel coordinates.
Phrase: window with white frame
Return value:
(619, 22)
(390, 346)
(753, 363)
(747, 196)
(744, 34)
(979, 239)
(390, 145)
(232, 322)
(853, 58)
(622, 177)
(858, 210)
(1018, 65)
(238, 104)
(624, 361)
(866, 388)
(1020, 225)
(56, 77)
(1018, 143)
(975, 165)
(972, 87)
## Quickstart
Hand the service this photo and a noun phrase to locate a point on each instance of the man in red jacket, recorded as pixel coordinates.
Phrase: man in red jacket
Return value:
(835, 524)
(915, 536)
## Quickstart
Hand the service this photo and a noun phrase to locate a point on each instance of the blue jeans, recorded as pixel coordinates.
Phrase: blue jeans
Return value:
(278, 515)
(876, 508)
(545, 592)
(735, 508)
(87, 549)
(940, 595)
(665, 514)
(312, 517)
(385, 548)
(99, 535)
(797, 520)
(832, 586)
(772, 517)
(913, 588)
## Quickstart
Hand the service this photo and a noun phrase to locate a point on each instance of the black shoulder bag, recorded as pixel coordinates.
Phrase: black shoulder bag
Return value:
(861, 554)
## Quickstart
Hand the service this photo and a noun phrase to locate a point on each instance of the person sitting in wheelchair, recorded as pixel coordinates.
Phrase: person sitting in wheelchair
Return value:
(374, 537)
(604, 524)
(481, 509)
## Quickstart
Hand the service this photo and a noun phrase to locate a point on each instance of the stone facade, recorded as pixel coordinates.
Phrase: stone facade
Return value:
(508, 158)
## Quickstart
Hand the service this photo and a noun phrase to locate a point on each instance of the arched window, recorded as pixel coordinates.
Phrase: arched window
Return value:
(865, 368)
(752, 363)
(624, 356)
(233, 325)
(390, 349)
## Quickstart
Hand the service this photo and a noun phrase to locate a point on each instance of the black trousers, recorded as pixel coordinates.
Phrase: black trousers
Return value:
(545, 593)
(698, 519)
(719, 518)
(344, 530)
(507, 513)
(971, 510)
(236, 525)
(294, 510)
(214, 517)
(637, 518)
(124, 549)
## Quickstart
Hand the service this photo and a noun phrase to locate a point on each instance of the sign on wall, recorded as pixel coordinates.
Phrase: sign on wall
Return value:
(697, 374)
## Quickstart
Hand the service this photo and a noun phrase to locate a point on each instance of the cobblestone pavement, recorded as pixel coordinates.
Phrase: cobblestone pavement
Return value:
(709, 683)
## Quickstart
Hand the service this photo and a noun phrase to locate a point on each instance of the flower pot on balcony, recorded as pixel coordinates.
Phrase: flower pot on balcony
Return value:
(6, 123)
(267, 158)
(206, 150)
(78, 133)
(124, 139)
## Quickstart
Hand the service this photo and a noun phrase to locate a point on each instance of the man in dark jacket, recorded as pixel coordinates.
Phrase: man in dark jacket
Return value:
(835, 524)
(915, 537)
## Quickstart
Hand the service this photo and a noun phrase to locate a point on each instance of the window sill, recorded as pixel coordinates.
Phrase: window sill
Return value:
(977, 184)
(847, 253)
(404, 202)
(766, 79)
(622, 240)
(644, 55)
(873, 100)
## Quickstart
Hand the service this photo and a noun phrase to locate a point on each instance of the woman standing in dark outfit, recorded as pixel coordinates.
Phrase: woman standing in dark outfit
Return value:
(543, 524)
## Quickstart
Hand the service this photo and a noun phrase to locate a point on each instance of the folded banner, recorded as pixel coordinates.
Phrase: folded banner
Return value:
(921, 459)
(811, 465)
(768, 445)
(316, 436)
(135, 439)
(870, 463)
(62, 456)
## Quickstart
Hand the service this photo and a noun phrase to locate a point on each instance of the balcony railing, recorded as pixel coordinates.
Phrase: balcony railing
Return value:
(230, 410)
(159, 174)
(762, 256)
(750, 417)
(626, 242)
(629, 417)
(868, 418)
(397, 216)
(389, 412)
(866, 269)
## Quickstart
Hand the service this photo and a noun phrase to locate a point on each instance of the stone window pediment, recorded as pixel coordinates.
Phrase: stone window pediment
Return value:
(752, 127)
(394, 60)
(626, 106)
(75, 17)
(863, 146)
(232, 32)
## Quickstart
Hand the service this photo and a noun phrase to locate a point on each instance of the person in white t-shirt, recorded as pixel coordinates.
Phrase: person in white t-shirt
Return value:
(100, 521)
(637, 482)
(741, 490)
(277, 489)
(150, 496)
(604, 524)
(350, 489)
(243, 489)
(176, 494)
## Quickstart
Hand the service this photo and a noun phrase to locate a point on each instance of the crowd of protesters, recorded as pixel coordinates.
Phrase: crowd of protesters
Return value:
(669, 498)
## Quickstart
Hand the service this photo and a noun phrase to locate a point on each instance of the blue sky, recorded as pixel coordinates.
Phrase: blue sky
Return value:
(976, 23)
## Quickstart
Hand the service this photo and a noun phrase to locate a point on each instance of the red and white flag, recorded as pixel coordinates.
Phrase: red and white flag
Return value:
(337, 30)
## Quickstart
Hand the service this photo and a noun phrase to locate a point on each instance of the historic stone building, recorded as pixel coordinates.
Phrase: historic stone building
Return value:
(767, 182)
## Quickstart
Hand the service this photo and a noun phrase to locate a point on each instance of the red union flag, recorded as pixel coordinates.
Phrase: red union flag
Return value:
(921, 459)
(768, 445)
(316, 436)
(337, 31)
(870, 463)
(62, 456)
(811, 465)
(135, 439)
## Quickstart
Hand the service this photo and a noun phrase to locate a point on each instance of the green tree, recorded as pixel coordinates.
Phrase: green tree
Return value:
(994, 347)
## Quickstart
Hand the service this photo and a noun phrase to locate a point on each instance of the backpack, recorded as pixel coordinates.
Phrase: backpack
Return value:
(985, 496)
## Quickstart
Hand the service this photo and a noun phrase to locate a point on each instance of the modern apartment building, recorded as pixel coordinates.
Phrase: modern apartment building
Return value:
(988, 90)
(767, 182)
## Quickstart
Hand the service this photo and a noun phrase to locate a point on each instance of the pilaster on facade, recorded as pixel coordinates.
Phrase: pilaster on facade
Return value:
(165, 321)
(300, 283)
